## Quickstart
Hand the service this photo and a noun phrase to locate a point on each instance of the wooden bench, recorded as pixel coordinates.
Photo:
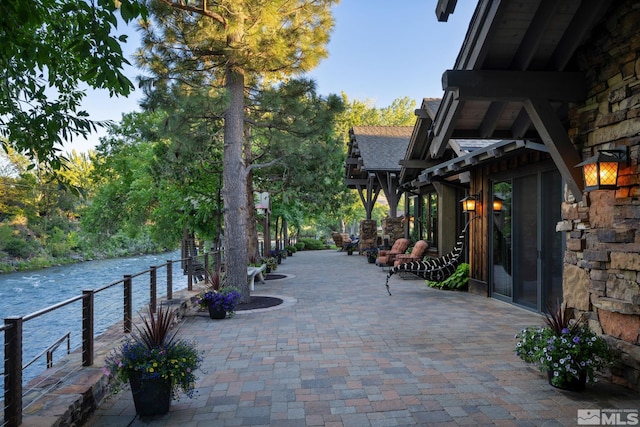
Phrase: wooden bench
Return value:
(253, 272)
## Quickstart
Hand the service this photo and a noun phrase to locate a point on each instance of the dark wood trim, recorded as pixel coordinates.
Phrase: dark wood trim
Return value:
(560, 147)
(515, 85)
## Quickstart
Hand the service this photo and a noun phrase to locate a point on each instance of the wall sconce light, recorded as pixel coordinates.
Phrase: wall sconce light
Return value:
(601, 171)
(469, 203)
(497, 204)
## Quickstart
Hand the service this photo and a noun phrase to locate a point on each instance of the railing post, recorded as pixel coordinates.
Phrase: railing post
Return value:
(153, 284)
(169, 280)
(190, 273)
(128, 303)
(206, 266)
(87, 327)
(13, 372)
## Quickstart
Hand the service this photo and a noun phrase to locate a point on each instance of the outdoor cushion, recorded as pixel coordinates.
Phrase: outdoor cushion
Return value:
(417, 253)
(387, 257)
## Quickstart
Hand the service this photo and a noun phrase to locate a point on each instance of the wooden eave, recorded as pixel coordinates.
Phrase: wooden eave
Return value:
(468, 161)
(513, 79)
(416, 156)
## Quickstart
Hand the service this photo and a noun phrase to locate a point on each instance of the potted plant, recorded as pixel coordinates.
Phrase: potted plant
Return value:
(220, 303)
(290, 250)
(569, 351)
(372, 255)
(156, 365)
(271, 263)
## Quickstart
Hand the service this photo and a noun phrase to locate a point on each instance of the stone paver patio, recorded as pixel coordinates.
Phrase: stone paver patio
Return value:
(341, 352)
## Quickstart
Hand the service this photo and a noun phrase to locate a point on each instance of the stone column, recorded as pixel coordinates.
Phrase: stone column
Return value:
(368, 234)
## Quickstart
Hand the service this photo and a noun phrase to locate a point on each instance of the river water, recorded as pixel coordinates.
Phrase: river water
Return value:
(23, 293)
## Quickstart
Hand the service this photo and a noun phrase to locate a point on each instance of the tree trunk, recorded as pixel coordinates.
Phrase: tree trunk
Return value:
(234, 191)
(253, 253)
(285, 233)
(277, 233)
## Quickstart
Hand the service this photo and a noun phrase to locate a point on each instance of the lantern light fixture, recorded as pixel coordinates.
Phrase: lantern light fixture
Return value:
(469, 203)
(601, 171)
(497, 204)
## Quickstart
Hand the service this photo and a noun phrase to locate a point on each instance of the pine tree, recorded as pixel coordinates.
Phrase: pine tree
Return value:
(234, 46)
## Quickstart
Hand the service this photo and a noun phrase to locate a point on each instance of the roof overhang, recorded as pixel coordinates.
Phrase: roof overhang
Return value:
(513, 78)
(466, 162)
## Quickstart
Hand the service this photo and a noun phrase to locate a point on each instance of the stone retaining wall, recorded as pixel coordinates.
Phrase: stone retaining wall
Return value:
(602, 261)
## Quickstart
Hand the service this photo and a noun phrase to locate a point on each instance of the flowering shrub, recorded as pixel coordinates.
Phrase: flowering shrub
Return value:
(226, 299)
(564, 349)
(152, 353)
(271, 262)
(176, 361)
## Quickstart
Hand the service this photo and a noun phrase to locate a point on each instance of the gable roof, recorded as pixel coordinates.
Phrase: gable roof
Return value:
(381, 147)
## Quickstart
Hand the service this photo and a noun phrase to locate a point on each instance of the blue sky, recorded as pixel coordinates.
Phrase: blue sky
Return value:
(380, 50)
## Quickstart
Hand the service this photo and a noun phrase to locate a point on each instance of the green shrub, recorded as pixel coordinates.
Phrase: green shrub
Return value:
(312, 244)
(299, 246)
(58, 244)
(458, 280)
(20, 248)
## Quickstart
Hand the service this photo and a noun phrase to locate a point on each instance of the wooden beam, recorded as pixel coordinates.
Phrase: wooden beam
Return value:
(421, 113)
(444, 8)
(520, 125)
(414, 164)
(444, 124)
(533, 37)
(490, 120)
(588, 13)
(555, 137)
(515, 85)
(349, 181)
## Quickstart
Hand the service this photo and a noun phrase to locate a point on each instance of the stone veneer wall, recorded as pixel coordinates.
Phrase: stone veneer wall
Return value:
(393, 227)
(602, 261)
(368, 234)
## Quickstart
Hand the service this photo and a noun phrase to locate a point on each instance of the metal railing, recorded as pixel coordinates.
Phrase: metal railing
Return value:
(13, 326)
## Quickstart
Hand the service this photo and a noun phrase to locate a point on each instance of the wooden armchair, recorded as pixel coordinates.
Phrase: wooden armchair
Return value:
(342, 240)
(417, 253)
(337, 239)
(387, 258)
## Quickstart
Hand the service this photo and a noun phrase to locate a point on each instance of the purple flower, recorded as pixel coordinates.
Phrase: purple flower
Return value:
(576, 339)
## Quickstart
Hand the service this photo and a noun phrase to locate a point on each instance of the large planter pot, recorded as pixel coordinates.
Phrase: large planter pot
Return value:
(216, 312)
(150, 396)
(575, 384)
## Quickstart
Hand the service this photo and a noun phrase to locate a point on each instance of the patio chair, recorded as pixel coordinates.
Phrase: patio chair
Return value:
(386, 258)
(436, 269)
(342, 240)
(417, 253)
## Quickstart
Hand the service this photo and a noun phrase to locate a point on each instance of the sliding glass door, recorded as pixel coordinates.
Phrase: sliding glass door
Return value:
(526, 251)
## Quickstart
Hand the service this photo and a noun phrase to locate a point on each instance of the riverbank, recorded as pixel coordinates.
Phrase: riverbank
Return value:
(23, 249)
(10, 264)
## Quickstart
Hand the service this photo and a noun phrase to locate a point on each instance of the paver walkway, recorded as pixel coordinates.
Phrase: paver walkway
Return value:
(341, 352)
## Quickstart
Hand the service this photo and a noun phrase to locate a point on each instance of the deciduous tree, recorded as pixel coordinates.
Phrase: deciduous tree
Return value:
(48, 48)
